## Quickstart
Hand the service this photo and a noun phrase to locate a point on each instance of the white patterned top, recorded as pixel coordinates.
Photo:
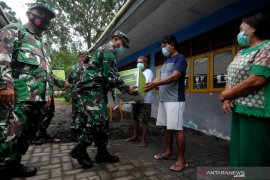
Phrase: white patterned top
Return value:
(255, 60)
(148, 78)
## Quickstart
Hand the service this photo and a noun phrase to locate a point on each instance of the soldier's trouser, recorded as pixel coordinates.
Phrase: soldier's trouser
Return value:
(96, 115)
(77, 122)
(48, 117)
(18, 130)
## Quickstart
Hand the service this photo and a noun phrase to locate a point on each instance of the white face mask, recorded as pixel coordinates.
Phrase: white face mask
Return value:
(140, 66)
(120, 50)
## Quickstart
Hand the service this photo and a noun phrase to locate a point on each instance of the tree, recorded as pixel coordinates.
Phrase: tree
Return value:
(81, 22)
(63, 60)
(11, 15)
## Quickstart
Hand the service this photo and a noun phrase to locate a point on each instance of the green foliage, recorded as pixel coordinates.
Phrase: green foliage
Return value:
(67, 95)
(81, 22)
(11, 15)
(63, 96)
(63, 60)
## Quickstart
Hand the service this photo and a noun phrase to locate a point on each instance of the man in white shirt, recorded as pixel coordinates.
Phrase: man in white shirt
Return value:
(142, 111)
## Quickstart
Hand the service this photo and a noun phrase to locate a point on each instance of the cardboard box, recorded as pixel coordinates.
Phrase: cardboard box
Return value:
(132, 77)
(60, 74)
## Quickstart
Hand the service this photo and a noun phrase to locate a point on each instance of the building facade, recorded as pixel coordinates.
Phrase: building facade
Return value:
(209, 45)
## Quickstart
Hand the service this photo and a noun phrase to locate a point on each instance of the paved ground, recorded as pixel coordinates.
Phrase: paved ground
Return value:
(54, 163)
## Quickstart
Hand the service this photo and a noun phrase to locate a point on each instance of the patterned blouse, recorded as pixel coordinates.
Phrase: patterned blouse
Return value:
(255, 60)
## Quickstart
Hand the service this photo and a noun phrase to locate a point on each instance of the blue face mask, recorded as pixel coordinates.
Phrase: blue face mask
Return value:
(242, 39)
(120, 50)
(165, 52)
(140, 65)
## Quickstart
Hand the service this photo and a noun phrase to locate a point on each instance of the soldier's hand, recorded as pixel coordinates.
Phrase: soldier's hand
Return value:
(149, 86)
(66, 85)
(48, 102)
(133, 90)
(7, 96)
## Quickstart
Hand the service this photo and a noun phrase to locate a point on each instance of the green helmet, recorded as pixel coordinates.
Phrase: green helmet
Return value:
(84, 53)
(43, 6)
(123, 38)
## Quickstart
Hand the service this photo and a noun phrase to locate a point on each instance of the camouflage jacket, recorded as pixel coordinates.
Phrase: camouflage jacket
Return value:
(101, 72)
(75, 75)
(25, 64)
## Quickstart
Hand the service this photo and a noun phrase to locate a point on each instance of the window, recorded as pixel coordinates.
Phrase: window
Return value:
(200, 73)
(201, 43)
(128, 66)
(221, 60)
(185, 48)
(224, 35)
(159, 58)
(187, 78)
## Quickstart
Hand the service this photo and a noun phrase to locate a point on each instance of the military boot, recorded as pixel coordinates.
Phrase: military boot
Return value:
(17, 169)
(3, 172)
(75, 135)
(79, 153)
(41, 138)
(24, 171)
(103, 156)
(44, 134)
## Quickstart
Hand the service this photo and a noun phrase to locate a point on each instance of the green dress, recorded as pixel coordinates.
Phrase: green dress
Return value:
(250, 129)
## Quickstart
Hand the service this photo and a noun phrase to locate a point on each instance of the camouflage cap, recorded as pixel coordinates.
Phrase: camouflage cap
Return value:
(84, 53)
(123, 38)
(43, 6)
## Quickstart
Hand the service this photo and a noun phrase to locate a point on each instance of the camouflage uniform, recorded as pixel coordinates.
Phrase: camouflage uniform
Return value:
(49, 110)
(98, 76)
(24, 67)
(77, 121)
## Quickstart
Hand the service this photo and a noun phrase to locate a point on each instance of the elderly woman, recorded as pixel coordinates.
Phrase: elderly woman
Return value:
(247, 94)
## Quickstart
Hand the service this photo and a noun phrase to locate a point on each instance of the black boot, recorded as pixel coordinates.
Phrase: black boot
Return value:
(74, 135)
(41, 138)
(38, 141)
(17, 169)
(3, 173)
(79, 153)
(44, 134)
(24, 171)
(103, 156)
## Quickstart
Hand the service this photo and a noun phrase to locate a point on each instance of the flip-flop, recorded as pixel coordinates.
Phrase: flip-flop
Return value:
(161, 157)
(142, 144)
(130, 139)
(178, 167)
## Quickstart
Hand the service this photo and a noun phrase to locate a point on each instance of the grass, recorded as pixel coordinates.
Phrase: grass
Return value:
(59, 99)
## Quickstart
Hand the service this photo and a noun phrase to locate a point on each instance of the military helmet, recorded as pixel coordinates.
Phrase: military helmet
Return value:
(84, 53)
(43, 6)
(123, 37)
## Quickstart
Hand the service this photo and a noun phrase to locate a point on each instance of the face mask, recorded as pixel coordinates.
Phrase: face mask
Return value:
(41, 23)
(140, 65)
(120, 50)
(242, 39)
(165, 52)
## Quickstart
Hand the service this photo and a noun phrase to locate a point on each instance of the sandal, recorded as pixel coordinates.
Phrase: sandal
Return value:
(178, 167)
(142, 144)
(162, 157)
(130, 139)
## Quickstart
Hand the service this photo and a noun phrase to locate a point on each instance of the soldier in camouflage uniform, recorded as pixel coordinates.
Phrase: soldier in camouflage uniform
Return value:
(99, 76)
(77, 121)
(26, 82)
(42, 135)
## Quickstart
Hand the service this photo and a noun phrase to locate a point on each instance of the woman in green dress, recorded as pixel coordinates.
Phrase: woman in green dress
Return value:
(247, 94)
